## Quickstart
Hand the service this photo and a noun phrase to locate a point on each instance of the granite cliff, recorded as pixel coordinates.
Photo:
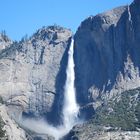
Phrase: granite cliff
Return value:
(107, 51)
(107, 77)
(32, 77)
(107, 66)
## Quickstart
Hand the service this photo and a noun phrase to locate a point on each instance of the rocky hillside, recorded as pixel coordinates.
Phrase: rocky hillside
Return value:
(32, 76)
(118, 119)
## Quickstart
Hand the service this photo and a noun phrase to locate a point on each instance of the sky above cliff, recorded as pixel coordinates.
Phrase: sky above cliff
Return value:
(21, 17)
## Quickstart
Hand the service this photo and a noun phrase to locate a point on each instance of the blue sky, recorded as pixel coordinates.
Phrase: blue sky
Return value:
(20, 17)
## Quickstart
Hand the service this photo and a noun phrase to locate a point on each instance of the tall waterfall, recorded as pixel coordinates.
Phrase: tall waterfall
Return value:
(70, 108)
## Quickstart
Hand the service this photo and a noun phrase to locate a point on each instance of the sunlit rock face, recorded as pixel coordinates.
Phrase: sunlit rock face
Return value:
(33, 73)
(70, 108)
(107, 54)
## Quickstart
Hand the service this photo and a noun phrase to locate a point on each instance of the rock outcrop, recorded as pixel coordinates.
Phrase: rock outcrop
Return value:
(12, 129)
(33, 75)
(88, 131)
(107, 52)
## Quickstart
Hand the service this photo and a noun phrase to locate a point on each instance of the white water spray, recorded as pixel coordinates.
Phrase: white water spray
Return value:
(70, 107)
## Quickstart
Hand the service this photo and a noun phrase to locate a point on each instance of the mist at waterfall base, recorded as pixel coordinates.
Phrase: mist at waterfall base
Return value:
(70, 107)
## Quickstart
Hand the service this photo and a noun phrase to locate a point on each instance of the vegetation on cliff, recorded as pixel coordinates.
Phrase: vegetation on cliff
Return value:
(122, 112)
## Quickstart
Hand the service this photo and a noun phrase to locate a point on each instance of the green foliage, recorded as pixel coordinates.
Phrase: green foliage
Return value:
(1, 100)
(25, 38)
(137, 113)
(3, 34)
(2, 132)
(123, 112)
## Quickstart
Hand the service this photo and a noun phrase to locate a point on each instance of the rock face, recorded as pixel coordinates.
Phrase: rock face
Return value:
(13, 131)
(33, 73)
(107, 62)
(107, 52)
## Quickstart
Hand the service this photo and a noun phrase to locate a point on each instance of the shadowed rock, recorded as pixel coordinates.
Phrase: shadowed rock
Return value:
(107, 50)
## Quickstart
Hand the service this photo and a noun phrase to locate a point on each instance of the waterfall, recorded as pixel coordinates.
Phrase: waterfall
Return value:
(70, 107)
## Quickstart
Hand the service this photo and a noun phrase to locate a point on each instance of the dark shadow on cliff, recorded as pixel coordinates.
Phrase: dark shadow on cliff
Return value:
(99, 60)
(134, 33)
(55, 116)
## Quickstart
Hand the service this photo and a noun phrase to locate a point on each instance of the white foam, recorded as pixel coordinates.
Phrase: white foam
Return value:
(70, 109)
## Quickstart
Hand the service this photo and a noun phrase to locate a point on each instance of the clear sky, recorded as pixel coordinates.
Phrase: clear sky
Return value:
(20, 17)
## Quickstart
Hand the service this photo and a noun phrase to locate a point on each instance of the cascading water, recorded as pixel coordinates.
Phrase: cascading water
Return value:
(70, 107)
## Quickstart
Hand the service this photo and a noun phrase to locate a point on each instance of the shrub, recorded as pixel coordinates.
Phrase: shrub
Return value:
(2, 132)
(125, 113)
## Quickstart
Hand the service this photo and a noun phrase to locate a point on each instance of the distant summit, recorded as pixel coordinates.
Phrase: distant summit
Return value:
(48, 33)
